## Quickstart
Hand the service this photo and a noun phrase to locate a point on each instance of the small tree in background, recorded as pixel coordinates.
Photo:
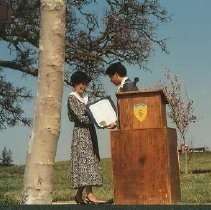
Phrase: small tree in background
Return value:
(6, 157)
(181, 107)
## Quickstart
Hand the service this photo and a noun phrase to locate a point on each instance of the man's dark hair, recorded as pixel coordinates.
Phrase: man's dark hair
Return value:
(116, 68)
(79, 77)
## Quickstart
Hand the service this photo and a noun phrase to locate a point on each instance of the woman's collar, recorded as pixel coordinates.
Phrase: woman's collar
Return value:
(83, 99)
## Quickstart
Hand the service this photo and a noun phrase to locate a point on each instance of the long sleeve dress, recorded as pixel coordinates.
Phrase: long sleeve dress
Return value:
(85, 159)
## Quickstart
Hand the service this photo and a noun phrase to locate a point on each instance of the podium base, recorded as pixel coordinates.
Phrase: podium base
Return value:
(145, 166)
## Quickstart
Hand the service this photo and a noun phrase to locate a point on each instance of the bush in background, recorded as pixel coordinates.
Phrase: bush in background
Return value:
(6, 157)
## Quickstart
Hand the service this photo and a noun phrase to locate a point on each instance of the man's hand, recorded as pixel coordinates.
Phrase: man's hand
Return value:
(111, 126)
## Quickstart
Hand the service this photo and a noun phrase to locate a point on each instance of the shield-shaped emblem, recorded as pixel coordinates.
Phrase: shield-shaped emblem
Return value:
(140, 111)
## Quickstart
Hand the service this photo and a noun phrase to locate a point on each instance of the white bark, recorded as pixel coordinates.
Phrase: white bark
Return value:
(47, 113)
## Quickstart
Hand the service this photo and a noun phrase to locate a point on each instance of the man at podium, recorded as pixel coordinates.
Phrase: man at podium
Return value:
(118, 75)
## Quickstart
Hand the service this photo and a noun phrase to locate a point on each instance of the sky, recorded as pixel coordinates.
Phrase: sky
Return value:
(189, 46)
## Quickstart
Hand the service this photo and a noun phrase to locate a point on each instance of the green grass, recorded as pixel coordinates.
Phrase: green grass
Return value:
(11, 184)
(195, 186)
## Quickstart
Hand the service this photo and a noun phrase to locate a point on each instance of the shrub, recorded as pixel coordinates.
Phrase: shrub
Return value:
(6, 157)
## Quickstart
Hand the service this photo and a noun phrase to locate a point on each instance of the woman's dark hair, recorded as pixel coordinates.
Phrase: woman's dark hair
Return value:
(116, 68)
(79, 77)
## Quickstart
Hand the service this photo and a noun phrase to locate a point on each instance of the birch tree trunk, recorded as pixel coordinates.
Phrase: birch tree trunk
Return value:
(47, 113)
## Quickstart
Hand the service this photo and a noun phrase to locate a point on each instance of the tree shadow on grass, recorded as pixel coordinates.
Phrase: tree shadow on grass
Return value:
(200, 171)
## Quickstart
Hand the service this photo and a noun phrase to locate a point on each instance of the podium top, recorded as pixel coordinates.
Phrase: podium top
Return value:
(141, 93)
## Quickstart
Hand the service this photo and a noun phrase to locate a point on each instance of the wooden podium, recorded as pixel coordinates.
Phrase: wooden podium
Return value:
(144, 151)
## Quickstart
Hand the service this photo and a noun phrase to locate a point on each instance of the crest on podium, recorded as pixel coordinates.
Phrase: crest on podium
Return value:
(140, 111)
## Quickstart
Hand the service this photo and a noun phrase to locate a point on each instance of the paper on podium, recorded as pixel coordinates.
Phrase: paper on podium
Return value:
(103, 112)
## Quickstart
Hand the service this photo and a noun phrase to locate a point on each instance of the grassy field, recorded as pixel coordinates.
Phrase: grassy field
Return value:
(195, 186)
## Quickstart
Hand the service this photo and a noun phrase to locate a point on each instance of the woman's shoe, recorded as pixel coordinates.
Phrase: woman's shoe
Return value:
(89, 201)
(79, 200)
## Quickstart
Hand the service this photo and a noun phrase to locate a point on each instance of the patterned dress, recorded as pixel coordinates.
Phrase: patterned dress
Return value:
(85, 159)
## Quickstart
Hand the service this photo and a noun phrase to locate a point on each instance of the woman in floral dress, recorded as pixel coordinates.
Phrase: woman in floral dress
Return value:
(85, 159)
